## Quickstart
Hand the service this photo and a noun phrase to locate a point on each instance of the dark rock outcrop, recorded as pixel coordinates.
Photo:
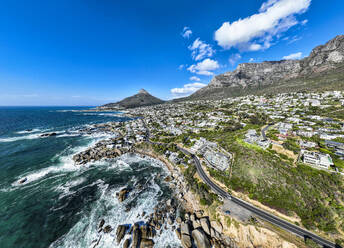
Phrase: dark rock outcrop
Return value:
(120, 232)
(21, 181)
(200, 238)
(126, 243)
(107, 229)
(136, 236)
(101, 223)
(146, 243)
(123, 194)
(48, 134)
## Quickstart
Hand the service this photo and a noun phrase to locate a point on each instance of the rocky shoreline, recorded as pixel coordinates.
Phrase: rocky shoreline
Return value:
(105, 149)
(192, 229)
(190, 225)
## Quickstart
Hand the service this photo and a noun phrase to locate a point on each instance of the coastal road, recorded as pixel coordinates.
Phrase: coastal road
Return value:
(266, 128)
(258, 212)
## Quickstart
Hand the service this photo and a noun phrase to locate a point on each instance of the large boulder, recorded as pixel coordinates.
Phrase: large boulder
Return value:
(178, 233)
(146, 243)
(187, 216)
(144, 231)
(185, 228)
(101, 223)
(107, 229)
(147, 231)
(196, 224)
(126, 243)
(192, 217)
(217, 226)
(205, 225)
(122, 195)
(186, 241)
(199, 214)
(120, 232)
(200, 238)
(136, 237)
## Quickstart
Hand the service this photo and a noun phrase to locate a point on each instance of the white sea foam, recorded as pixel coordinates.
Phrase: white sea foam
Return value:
(65, 162)
(25, 137)
(35, 130)
(105, 114)
(67, 110)
(30, 136)
(85, 234)
(65, 189)
(74, 134)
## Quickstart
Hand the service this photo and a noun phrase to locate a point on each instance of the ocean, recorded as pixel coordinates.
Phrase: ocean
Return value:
(60, 204)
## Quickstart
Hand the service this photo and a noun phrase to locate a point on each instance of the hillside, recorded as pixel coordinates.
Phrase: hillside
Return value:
(323, 69)
(142, 98)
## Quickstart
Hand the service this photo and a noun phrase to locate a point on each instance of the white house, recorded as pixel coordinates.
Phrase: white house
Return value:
(317, 159)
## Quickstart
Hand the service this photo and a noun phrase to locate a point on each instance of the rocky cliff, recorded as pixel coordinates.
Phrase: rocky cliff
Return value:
(142, 98)
(248, 78)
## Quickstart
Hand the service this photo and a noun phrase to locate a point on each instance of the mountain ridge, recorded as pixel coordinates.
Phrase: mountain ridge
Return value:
(323, 69)
(142, 98)
(250, 77)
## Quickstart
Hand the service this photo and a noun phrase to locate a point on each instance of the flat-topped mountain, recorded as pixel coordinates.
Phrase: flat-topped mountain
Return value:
(322, 69)
(142, 98)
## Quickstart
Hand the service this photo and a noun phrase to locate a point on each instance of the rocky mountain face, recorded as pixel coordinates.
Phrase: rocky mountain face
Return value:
(251, 78)
(142, 98)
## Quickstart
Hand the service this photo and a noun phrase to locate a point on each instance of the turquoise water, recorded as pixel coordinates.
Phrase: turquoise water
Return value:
(61, 203)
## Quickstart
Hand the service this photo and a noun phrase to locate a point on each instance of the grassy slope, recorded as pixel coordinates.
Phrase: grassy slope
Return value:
(315, 196)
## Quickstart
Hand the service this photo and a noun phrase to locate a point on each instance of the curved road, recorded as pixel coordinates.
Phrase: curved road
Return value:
(258, 212)
(264, 129)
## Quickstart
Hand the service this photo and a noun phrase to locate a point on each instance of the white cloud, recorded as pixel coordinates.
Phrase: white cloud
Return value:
(294, 39)
(234, 58)
(304, 22)
(293, 56)
(267, 5)
(251, 60)
(180, 67)
(187, 89)
(205, 67)
(274, 17)
(194, 78)
(186, 32)
(254, 47)
(200, 50)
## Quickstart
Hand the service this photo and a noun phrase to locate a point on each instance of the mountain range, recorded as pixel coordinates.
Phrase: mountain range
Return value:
(142, 98)
(323, 69)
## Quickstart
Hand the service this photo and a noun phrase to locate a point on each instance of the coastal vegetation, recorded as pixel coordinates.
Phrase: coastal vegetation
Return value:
(207, 197)
(315, 196)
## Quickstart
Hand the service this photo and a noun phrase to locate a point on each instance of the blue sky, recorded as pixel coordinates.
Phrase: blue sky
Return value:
(83, 52)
